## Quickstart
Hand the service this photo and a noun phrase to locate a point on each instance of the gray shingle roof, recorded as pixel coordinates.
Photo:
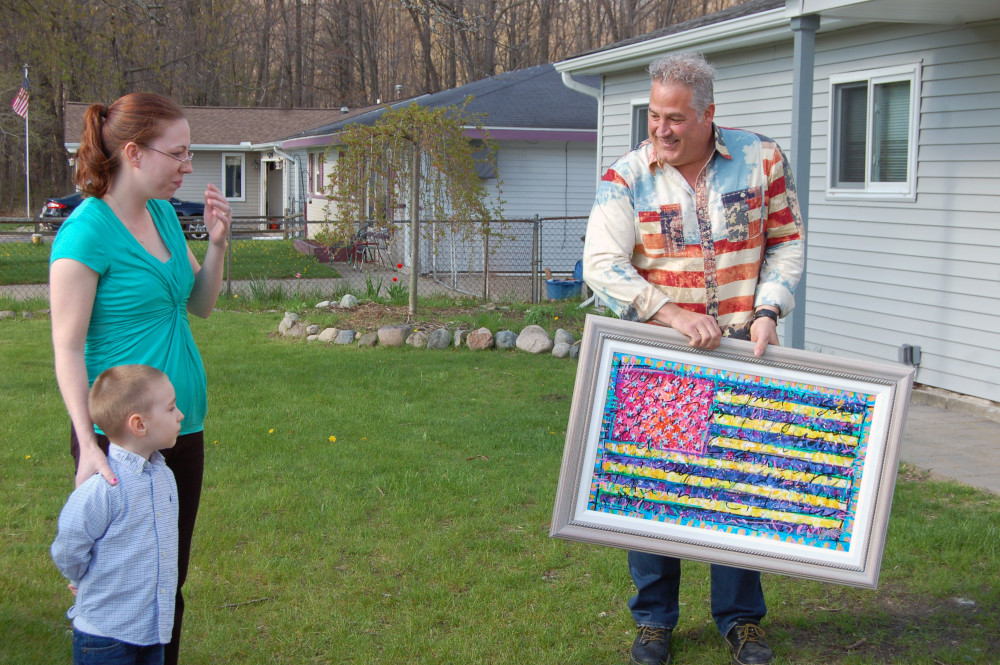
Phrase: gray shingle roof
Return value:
(534, 98)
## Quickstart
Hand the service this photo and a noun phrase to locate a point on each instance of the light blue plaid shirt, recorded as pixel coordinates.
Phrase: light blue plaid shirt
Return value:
(118, 544)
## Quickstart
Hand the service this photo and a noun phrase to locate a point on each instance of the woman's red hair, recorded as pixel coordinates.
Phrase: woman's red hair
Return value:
(138, 117)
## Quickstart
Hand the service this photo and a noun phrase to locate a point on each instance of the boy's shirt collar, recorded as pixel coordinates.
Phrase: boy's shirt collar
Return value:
(134, 463)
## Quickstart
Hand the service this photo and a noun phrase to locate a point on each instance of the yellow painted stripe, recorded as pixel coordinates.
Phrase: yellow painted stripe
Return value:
(768, 449)
(784, 428)
(719, 506)
(718, 483)
(633, 450)
(738, 399)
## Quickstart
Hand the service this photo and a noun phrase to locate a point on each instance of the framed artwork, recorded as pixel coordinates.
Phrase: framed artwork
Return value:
(784, 463)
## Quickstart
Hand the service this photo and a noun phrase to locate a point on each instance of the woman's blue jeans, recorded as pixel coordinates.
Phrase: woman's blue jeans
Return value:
(736, 593)
(93, 650)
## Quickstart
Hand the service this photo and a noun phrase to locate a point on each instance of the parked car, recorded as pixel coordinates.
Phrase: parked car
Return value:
(57, 209)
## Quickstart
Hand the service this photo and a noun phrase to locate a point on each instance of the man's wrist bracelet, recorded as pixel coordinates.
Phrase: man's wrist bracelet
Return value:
(765, 312)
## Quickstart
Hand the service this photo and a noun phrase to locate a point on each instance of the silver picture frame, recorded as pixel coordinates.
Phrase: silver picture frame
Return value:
(784, 463)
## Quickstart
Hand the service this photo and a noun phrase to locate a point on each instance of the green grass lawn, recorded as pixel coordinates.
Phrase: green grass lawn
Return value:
(27, 263)
(420, 534)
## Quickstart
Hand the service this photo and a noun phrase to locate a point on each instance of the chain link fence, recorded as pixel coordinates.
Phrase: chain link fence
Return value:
(510, 261)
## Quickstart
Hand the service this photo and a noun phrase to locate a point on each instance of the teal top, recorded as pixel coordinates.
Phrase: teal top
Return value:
(140, 309)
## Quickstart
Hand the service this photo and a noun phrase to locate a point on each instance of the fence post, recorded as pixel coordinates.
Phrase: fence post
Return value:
(536, 260)
(486, 264)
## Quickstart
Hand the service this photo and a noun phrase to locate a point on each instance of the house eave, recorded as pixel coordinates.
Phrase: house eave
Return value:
(751, 30)
(765, 27)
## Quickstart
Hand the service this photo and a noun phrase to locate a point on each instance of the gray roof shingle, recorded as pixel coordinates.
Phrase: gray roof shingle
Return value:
(534, 97)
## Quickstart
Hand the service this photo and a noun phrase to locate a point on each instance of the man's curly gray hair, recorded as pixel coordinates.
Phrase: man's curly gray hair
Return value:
(689, 69)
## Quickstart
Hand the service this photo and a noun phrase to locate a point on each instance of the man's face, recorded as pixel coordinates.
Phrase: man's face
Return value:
(680, 138)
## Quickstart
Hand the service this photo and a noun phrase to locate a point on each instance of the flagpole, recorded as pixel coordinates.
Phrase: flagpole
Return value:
(27, 174)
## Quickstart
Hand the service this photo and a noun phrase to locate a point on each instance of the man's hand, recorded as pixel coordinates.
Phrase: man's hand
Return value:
(701, 329)
(764, 331)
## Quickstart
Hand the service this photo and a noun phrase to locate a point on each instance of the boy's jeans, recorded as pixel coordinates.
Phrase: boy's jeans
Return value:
(736, 593)
(93, 650)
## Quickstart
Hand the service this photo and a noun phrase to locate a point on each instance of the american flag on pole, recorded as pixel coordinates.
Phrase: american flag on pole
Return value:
(20, 103)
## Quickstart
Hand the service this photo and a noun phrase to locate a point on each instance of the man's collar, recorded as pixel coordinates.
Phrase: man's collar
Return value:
(720, 143)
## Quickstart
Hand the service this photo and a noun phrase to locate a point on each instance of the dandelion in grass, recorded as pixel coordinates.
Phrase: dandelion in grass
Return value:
(27, 457)
(333, 439)
(270, 431)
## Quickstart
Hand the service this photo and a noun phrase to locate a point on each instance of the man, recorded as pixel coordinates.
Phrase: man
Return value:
(697, 228)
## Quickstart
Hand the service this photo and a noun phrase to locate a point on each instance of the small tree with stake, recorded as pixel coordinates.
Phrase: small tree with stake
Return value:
(416, 158)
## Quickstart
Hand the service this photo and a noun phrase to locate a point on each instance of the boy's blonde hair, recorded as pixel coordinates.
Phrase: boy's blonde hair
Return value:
(120, 392)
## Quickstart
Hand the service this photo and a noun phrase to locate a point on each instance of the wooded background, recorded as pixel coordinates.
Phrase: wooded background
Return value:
(277, 53)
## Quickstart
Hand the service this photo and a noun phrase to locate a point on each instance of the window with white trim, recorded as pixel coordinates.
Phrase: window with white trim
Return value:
(640, 123)
(873, 132)
(233, 170)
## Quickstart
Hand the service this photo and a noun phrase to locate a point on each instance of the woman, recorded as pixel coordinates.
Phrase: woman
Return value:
(122, 280)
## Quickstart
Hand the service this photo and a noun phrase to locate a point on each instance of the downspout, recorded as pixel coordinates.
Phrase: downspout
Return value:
(803, 60)
(572, 84)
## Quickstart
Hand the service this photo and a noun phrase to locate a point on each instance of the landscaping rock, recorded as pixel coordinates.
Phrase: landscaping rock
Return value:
(439, 339)
(344, 337)
(534, 339)
(6, 314)
(393, 335)
(313, 329)
(564, 336)
(348, 301)
(460, 337)
(27, 315)
(290, 326)
(417, 340)
(323, 305)
(561, 350)
(506, 340)
(327, 335)
(368, 339)
(312, 338)
(480, 340)
(574, 351)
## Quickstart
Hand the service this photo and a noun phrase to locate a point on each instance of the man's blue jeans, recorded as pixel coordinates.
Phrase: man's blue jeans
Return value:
(93, 650)
(736, 593)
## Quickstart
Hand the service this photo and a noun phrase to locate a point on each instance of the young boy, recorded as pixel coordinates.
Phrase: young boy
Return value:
(117, 544)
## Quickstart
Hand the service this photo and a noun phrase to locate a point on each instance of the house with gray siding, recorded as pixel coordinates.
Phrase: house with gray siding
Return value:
(890, 113)
(545, 134)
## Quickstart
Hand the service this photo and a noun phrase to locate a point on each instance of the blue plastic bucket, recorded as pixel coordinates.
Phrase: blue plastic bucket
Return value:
(561, 289)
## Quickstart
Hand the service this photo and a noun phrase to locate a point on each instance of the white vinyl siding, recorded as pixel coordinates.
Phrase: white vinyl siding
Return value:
(547, 178)
(207, 170)
(884, 272)
(923, 271)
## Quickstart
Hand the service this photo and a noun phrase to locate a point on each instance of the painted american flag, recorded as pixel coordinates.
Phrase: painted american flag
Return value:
(721, 450)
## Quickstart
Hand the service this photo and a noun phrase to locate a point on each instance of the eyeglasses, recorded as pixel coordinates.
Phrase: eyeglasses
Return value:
(183, 162)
